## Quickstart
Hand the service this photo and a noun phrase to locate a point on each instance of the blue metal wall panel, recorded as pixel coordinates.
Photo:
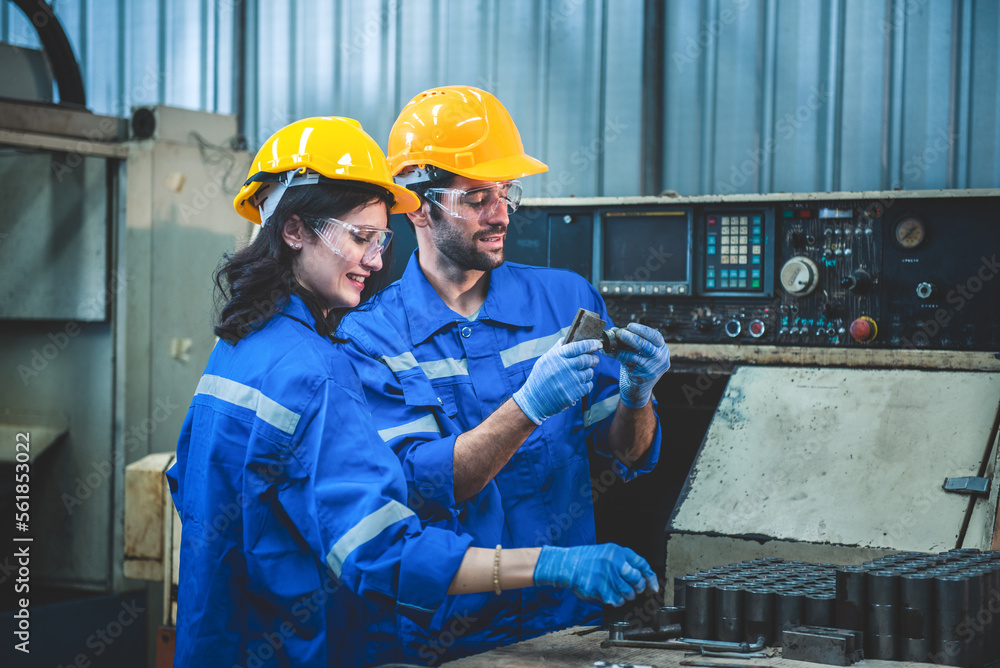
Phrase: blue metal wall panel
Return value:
(759, 95)
(863, 102)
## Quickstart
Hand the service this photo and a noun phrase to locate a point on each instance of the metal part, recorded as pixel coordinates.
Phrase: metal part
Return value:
(610, 339)
(952, 596)
(586, 325)
(759, 613)
(916, 616)
(883, 609)
(967, 485)
(617, 630)
(788, 609)
(689, 643)
(819, 644)
(668, 632)
(713, 664)
(729, 613)
(818, 609)
(698, 609)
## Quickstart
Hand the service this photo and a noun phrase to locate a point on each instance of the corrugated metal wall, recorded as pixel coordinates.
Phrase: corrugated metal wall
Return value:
(758, 95)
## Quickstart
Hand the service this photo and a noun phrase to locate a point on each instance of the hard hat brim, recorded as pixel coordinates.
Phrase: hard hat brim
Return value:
(501, 169)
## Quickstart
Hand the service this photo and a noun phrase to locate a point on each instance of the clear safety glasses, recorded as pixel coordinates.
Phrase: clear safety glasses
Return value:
(478, 203)
(354, 243)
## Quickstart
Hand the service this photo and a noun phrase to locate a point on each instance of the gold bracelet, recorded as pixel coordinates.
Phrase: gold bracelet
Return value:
(496, 570)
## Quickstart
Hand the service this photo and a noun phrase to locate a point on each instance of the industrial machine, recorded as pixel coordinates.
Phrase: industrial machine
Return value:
(835, 360)
(111, 230)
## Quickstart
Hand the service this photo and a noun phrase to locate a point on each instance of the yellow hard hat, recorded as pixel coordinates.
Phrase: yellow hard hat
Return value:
(463, 130)
(312, 149)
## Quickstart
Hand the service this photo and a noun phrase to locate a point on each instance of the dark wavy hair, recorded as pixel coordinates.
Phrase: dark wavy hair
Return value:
(254, 284)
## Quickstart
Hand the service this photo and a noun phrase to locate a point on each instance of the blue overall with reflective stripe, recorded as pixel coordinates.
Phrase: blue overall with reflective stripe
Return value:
(429, 375)
(292, 507)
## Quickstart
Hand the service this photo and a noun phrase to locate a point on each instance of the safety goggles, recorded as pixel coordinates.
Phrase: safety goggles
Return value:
(354, 243)
(478, 203)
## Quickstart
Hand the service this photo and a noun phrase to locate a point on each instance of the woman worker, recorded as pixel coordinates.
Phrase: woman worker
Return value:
(298, 546)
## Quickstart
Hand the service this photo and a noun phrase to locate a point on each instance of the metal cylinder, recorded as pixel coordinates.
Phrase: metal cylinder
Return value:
(882, 614)
(788, 609)
(729, 613)
(818, 609)
(669, 615)
(699, 610)
(851, 600)
(680, 582)
(951, 593)
(758, 607)
(916, 617)
(978, 615)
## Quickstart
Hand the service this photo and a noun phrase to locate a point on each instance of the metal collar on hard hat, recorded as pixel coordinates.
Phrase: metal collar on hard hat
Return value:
(415, 175)
(302, 177)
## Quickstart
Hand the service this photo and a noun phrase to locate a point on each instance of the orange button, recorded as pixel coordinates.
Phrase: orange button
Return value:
(863, 329)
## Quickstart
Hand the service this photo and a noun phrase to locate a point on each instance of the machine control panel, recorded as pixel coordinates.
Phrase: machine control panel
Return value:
(889, 271)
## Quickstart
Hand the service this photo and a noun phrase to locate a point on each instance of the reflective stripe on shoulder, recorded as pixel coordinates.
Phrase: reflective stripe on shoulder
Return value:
(252, 399)
(600, 410)
(530, 349)
(424, 424)
(364, 531)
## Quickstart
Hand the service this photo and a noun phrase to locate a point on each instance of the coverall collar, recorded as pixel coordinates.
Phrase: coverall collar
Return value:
(296, 309)
(426, 312)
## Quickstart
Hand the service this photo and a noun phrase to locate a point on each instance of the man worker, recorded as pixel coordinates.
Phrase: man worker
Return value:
(470, 383)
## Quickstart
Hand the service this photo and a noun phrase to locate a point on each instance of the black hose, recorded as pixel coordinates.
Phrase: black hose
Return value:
(57, 46)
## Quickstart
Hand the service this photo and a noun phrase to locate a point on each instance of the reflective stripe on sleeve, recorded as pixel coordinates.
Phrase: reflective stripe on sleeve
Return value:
(252, 399)
(530, 349)
(600, 410)
(400, 362)
(364, 531)
(424, 424)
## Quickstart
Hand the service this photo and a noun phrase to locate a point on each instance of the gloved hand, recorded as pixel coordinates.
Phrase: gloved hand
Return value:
(609, 573)
(559, 378)
(644, 358)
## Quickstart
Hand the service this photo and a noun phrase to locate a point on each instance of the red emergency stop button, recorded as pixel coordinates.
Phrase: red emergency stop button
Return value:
(756, 328)
(863, 329)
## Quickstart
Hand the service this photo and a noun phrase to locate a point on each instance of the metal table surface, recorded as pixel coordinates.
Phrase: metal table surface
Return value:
(580, 646)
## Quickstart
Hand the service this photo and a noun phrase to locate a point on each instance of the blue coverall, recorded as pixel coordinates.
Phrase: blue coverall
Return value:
(429, 375)
(291, 507)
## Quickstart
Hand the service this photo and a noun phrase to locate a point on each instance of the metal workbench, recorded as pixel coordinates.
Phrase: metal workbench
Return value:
(579, 647)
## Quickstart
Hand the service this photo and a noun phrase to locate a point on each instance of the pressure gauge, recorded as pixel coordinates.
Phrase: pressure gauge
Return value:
(909, 232)
(799, 276)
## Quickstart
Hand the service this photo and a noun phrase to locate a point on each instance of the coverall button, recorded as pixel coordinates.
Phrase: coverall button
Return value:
(466, 332)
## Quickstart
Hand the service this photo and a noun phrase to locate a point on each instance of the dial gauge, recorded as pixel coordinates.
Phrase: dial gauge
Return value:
(909, 233)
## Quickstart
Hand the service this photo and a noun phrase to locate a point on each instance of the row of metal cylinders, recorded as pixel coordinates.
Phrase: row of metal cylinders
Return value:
(935, 608)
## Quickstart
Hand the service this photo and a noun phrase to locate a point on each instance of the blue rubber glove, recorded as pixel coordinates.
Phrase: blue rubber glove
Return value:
(559, 378)
(608, 573)
(644, 358)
